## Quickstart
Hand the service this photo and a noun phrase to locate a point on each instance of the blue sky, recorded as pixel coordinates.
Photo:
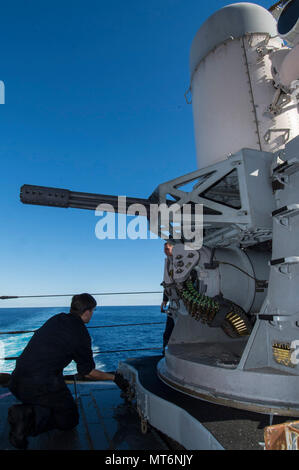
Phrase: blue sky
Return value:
(94, 102)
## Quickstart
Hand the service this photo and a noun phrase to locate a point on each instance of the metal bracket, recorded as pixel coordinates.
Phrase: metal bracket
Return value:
(224, 190)
(285, 132)
(289, 167)
(285, 261)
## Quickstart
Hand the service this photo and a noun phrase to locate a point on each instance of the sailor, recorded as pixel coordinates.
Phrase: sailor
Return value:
(168, 247)
(37, 380)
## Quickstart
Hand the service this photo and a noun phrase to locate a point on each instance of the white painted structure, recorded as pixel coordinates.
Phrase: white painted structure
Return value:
(233, 97)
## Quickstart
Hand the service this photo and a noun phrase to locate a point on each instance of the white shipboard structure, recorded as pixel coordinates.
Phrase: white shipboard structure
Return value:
(236, 310)
(234, 350)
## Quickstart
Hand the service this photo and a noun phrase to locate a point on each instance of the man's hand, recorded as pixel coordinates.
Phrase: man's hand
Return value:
(163, 306)
(99, 375)
(122, 383)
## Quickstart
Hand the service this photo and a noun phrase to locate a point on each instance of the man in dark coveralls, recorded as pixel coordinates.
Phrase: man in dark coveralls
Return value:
(37, 380)
(168, 247)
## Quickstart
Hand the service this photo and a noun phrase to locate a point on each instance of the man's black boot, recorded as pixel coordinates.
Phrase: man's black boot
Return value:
(21, 420)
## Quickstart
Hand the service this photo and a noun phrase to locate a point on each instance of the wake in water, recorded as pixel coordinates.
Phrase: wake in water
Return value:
(103, 339)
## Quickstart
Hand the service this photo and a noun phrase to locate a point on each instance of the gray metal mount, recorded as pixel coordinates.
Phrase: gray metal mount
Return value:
(236, 195)
(258, 372)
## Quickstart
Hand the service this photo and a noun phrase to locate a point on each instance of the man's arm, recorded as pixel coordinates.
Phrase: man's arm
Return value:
(164, 302)
(119, 380)
(99, 375)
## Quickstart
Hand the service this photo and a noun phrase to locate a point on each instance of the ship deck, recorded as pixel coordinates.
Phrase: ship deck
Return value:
(234, 429)
(107, 422)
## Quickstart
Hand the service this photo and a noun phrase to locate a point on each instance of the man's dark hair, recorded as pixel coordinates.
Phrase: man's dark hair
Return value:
(81, 303)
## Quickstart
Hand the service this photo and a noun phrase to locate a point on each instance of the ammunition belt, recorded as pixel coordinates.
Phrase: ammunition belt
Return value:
(215, 311)
(199, 306)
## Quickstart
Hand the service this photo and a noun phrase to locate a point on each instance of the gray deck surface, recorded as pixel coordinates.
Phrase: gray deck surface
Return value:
(109, 423)
(234, 429)
(106, 423)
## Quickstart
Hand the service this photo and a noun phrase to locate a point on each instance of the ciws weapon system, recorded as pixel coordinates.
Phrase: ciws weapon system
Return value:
(235, 301)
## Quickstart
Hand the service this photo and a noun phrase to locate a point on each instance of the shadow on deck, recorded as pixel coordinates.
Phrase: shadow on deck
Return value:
(107, 422)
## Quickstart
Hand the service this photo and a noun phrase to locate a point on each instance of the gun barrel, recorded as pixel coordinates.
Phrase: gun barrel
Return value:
(57, 197)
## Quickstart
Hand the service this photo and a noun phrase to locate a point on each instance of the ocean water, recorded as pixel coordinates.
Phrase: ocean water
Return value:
(115, 332)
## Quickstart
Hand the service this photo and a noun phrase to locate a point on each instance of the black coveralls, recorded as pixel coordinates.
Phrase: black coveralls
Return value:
(168, 326)
(38, 376)
(169, 321)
